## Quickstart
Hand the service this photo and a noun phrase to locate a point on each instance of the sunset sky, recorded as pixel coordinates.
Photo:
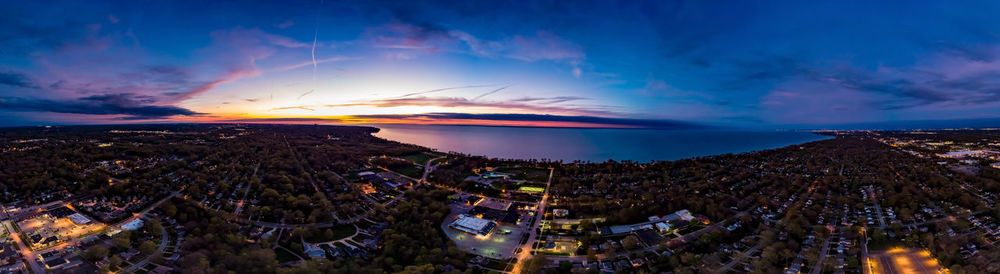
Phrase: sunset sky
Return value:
(757, 64)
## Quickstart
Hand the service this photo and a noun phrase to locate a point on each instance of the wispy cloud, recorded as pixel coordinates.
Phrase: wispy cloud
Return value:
(445, 89)
(426, 37)
(298, 107)
(530, 105)
(304, 94)
(495, 119)
(490, 92)
(590, 120)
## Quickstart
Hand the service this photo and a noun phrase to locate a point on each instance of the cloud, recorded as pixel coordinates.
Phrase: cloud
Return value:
(129, 105)
(496, 119)
(234, 53)
(285, 24)
(16, 79)
(544, 46)
(463, 103)
(590, 120)
(549, 100)
(310, 63)
(283, 120)
(298, 107)
(431, 38)
(528, 104)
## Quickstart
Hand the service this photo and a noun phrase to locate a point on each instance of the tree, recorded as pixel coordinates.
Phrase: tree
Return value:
(122, 241)
(96, 253)
(115, 261)
(154, 227)
(587, 225)
(591, 255)
(147, 247)
(536, 264)
(630, 243)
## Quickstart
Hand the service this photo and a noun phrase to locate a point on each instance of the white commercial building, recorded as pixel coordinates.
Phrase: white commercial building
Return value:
(79, 219)
(473, 225)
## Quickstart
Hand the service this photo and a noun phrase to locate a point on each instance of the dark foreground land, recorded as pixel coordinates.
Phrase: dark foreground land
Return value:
(314, 199)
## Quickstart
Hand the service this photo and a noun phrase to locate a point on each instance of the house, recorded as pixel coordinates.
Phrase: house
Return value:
(314, 251)
(682, 214)
(128, 254)
(12, 268)
(663, 227)
(8, 254)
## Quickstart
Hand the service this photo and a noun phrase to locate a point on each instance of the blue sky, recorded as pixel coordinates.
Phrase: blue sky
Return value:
(758, 64)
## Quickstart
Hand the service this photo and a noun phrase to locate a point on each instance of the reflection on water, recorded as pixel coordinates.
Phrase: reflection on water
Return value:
(570, 144)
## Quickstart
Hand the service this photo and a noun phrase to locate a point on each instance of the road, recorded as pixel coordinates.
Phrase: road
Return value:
(28, 255)
(32, 258)
(427, 170)
(686, 237)
(299, 163)
(239, 206)
(878, 209)
(529, 245)
(159, 250)
(739, 258)
(865, 266)
(818, 266)
(33, 209)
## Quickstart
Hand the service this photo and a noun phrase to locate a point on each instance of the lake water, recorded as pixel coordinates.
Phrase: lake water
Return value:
(596, 145)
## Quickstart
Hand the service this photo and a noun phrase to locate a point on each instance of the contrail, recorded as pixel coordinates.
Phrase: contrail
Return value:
(443, 89)
(315, 35)
(491, 92)
(304, 94)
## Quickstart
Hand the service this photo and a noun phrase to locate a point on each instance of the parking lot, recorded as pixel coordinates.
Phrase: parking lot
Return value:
(499, 244)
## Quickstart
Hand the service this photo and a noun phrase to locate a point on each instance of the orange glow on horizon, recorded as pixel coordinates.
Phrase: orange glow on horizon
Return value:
(356, 120)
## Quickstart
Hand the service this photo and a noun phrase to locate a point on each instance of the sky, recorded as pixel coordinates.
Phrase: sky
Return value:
(648, 64)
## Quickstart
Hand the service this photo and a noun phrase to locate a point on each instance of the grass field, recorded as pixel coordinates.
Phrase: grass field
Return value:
(526, 173)
(412, 171)
(419, 158)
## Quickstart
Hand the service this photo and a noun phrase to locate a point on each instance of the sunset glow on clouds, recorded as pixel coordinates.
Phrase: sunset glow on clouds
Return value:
(597, 64)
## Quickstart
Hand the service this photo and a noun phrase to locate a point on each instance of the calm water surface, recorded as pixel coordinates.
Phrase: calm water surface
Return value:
(570, 144)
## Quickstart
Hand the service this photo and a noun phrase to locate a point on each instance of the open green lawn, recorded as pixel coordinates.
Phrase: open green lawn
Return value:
(412, 171)
(419, 158)
(526, 173)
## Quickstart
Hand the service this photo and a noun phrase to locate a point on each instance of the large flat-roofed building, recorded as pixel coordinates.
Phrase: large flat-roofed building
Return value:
(79, 219)
(473, 225)
(497, 204)
(966, 153)
(133, 225)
